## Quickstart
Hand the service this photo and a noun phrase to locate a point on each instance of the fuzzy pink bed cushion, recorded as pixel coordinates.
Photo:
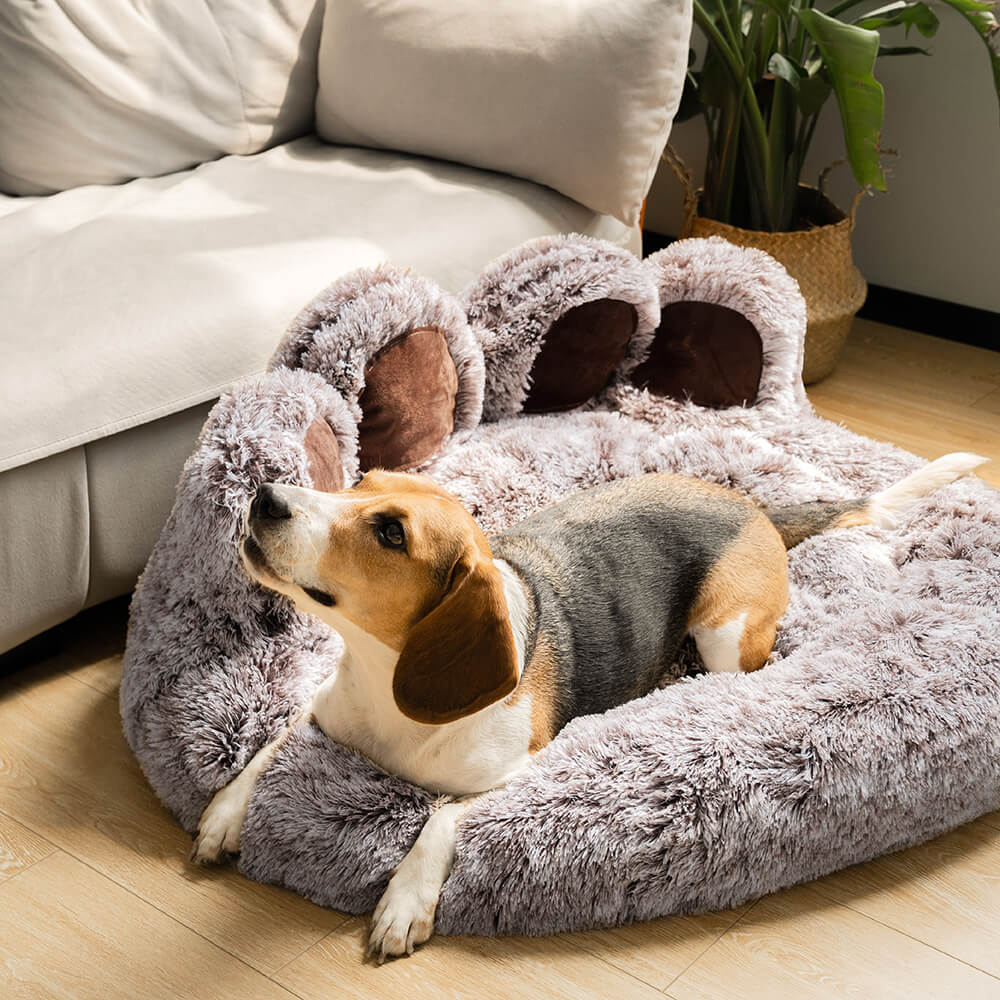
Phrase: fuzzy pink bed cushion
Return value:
(876, 724)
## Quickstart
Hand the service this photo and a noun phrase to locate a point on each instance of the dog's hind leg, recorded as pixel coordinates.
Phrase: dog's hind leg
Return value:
(743, 644)
(719, 645)
(735, 618)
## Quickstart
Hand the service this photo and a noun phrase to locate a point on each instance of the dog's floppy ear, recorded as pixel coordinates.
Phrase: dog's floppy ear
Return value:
(460, 657)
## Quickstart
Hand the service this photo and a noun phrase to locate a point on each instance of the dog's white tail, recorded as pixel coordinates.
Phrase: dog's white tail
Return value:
(884, 507)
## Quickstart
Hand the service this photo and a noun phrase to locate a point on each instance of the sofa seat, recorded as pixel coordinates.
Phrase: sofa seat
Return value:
(127, 309)
(124, 304)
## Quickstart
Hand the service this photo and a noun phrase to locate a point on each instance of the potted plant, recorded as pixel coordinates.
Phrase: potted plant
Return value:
(769, 68)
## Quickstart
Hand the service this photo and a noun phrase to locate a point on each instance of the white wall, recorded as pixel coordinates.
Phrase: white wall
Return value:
(937, 229)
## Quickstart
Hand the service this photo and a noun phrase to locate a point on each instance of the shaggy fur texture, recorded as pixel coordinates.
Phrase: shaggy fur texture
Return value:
(754, 284)
(213, 663)
(517, 298)
(875, 726)
(361, 312)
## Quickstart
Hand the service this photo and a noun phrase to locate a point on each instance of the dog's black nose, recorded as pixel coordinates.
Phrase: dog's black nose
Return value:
(269, 505)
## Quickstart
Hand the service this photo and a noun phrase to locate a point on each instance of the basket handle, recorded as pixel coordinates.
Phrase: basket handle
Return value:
(866, 190)
(821, 185)
(682, 172)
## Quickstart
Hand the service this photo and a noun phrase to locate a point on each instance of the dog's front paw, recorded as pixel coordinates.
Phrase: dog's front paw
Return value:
(403, 918)
(220, 826)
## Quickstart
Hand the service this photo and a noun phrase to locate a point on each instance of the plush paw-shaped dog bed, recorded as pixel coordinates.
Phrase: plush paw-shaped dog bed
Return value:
(569, 363)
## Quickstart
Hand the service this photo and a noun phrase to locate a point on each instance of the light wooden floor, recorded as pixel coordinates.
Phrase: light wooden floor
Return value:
(97, 898)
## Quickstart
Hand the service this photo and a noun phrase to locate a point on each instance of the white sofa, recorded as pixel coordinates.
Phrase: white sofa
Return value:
(167, 209)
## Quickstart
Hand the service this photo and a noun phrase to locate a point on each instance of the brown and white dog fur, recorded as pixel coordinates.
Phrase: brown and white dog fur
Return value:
(464, 656)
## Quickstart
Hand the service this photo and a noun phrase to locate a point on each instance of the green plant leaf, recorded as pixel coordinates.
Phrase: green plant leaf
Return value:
(714, 81)
(751, 23)
(780, 124)
(767, 40)
(983, 18)
(813, 93)
(690, 104)
(911, 14)
(902, 50)
(781, 7)
(849, 54)
(784, 69)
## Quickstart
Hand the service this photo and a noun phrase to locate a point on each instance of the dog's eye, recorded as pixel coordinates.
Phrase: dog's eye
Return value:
(320, 596)
(390, 533)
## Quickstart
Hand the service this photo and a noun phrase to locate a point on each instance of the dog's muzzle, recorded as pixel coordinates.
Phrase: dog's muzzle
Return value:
(269, 505)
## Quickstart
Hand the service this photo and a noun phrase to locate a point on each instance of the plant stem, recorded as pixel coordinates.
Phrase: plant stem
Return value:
(756, 121)
(797, 46)
(841, 7)
(777, 142)
(756, 161)
(809, 137)
(800, 135)
(728, 160)
(734, 39)
(750, 107)
(750, 41)
(708, 25)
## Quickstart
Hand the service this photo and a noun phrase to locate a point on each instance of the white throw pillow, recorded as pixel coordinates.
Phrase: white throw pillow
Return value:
(101, 91)
(575, 94)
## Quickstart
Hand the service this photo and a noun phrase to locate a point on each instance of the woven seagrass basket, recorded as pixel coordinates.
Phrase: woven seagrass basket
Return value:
(818, 258)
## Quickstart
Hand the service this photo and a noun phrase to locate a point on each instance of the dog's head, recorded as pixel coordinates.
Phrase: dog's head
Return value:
(401, 559)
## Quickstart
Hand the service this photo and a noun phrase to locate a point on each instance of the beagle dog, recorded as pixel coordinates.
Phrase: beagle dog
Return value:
(464, 655)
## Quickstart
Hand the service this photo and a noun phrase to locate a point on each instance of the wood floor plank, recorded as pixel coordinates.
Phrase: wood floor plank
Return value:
(989, 403)
(467, 968)
(660, 950)
(945, 893)
(67, 773)
(103, 674)
(19, 847)
(906, 362)
(921, 393)
(68, 932)
(865, 404)
(92, 653)
(918, 427)
(946, 391)
(800, 945)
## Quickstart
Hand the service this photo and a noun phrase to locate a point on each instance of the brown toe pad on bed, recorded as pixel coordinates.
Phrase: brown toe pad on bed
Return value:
(707, 353)
(323, 452)
(408, 403)
(579, 355)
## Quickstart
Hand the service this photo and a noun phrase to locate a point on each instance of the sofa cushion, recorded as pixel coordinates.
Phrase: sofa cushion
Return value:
(100, 92)
(123, 304)
(577, 95)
